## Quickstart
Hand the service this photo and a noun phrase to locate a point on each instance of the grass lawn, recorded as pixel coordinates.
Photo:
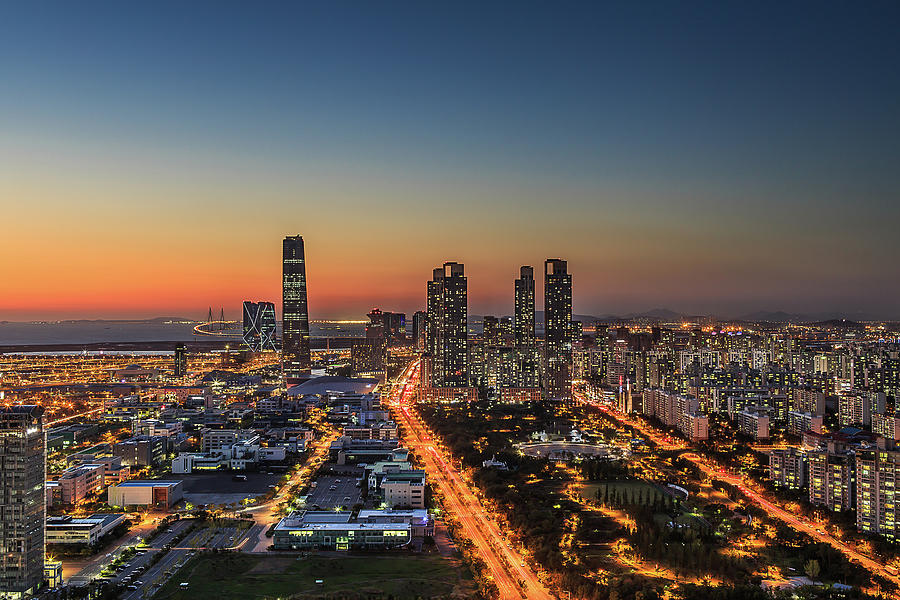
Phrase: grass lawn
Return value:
(235, 576)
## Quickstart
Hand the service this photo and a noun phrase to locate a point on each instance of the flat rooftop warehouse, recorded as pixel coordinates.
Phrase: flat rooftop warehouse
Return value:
(161, 494)
(148, 483)
(333, 384)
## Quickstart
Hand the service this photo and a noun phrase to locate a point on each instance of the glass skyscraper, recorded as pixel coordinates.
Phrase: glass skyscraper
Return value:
(259, 325)
(526, 372)
(446, 327)
(22, 500)
(557, 329)
(294, 312)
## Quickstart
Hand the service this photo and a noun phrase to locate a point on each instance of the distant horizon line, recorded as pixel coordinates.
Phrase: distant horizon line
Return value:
(660, 314)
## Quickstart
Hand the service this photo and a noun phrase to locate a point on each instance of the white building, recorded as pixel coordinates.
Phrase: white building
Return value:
(404, 489)
(87, 530)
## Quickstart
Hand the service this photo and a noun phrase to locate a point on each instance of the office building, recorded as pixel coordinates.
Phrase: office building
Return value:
(294, 312)
(259, 325)
(141, 450)
(180, 360)
(446, 327)
(85, 530)
(22, 501)
(405, 489)
(557, 329)
(527, 371)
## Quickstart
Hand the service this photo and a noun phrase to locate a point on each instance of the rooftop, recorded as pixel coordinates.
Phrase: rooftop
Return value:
(147, 483)
(319, 386)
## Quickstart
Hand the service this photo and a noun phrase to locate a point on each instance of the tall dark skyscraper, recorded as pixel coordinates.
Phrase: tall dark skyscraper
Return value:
(294, 311)
(557, 329)
(259, 325)
(180, 360)
(446, 327)
(523, 328)
(418, 330)
(22, 500)
(524, 308)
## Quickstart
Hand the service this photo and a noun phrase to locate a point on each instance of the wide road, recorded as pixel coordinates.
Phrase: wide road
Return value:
(718, 472)
(505, 564)
(267, 514)
(85, 571)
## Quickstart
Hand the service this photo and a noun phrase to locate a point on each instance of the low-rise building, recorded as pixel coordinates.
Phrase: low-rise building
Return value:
(84, 530)
(162, 494)
(328, 530)
(141, 451)
(188, 462)
(385, 430)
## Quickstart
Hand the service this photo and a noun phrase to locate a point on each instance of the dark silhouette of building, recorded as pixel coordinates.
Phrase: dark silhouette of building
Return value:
(180, 360)
(418, 329)
(22, 501)
(294, 311)
(558, 329)
(446, 327)
(490, 331)
(527, 372)
(389, 326)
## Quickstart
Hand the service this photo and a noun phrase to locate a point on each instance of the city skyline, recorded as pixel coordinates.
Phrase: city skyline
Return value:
(719, 160)
(574, 301)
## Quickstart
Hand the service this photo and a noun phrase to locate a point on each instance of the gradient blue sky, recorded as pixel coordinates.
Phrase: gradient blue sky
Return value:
(707, 157)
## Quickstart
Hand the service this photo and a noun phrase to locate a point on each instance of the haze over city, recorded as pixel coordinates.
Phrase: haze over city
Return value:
(713, 159)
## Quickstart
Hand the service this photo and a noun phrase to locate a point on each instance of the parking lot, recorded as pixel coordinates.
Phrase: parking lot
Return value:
(143, 580)
(344, 492)
(220, 488)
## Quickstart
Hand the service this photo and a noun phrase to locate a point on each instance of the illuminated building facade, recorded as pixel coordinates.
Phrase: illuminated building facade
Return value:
(418, 329)
(557, 329)
(877, 478)
(527, 371)
(22, 501)
(180, 360)
(294, 311)
(446, 327)
(832, 480)
(787, 468)
(259, 325)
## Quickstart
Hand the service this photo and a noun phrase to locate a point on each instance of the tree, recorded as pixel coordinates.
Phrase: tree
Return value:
(811, 568)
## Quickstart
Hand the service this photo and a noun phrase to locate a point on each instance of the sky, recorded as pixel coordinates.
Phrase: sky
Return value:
(716, 158)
